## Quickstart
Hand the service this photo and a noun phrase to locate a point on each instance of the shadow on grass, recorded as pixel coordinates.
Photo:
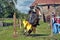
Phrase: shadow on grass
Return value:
(39, 35)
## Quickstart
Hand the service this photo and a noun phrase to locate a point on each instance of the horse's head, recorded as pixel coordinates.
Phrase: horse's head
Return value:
(38, 11)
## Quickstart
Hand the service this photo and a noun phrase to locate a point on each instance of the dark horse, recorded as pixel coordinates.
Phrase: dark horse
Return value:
(33, 20)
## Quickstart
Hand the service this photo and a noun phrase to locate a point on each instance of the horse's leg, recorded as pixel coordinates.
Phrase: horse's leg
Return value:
(34, 29)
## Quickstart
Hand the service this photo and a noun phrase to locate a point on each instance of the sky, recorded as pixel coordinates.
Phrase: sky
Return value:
(23, 5)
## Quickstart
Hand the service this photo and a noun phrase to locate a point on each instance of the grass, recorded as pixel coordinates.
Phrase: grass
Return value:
(8, 21)
(42, 32)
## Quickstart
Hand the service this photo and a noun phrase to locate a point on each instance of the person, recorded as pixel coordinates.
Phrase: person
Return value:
(54, 20)
(32, 19)
(53, 14)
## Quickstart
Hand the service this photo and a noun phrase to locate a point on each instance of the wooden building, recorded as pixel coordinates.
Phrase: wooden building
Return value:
(48, 6)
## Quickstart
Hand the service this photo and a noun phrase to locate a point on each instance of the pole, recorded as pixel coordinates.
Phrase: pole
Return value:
(20, 23)
(49, 11)
(14, 24)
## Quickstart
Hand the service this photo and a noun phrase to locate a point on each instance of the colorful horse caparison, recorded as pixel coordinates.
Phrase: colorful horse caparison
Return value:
(27, 25)
(28, 28)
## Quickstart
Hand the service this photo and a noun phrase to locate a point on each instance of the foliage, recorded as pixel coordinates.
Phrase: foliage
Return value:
(6, 8)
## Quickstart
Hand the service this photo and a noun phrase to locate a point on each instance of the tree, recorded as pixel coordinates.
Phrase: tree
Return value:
(6, 8)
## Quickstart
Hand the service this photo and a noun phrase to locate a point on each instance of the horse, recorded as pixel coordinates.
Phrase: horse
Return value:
(31, 26)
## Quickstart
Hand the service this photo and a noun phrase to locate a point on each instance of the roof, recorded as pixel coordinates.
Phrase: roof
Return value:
(43, 2)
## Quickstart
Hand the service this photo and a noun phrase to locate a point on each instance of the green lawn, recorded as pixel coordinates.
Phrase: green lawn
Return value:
(8, 20)
(42, 32)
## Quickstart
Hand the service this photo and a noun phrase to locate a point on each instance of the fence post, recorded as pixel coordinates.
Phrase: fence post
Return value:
(14, 24)
(20, 23)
